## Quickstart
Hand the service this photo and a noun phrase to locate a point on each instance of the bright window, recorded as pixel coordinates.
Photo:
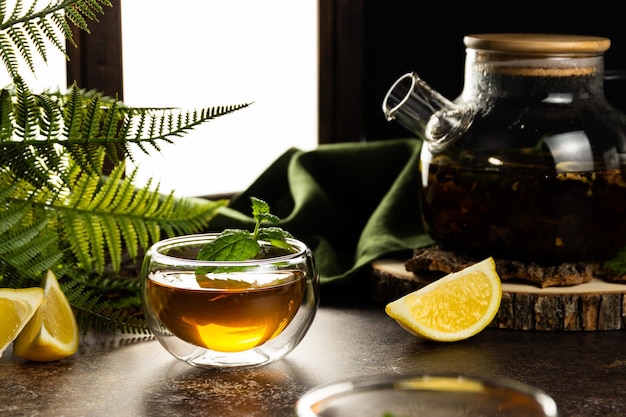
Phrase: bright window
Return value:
(195, 54)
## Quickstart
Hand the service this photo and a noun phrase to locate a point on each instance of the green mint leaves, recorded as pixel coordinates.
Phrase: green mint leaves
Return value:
(230, 245)
(242, 245)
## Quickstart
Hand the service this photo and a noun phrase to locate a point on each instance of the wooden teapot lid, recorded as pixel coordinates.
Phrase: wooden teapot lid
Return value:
(538, 43)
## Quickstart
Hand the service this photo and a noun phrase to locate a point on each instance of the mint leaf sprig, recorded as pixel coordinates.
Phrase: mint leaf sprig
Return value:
(242, 245)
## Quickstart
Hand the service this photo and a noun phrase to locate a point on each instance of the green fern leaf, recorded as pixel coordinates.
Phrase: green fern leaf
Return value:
(49, 125)
(83, 123)
(75, 17)
(6, 113)
(8, 56)
(102, 215)
(58, 208)
(72, 114)
(91, 127)
(17, 10)
(34, 33)
(26, 29)
(85, 10)
(28, 247)
(93, 311)
(50, 26)
(20, 42)
(25, 112)
(25, 163)
(57, 20)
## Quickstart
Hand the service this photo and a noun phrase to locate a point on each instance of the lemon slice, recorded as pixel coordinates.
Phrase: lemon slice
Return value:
(52, 333)
(17, 306)
(452, 308)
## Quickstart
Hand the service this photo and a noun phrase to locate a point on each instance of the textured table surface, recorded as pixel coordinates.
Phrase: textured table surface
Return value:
(585, 372)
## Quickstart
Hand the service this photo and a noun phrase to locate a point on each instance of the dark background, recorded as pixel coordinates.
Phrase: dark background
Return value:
(427, 37)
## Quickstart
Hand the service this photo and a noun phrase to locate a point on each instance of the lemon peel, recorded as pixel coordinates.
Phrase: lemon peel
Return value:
(455, 307)
(17, 307)
(52, 332)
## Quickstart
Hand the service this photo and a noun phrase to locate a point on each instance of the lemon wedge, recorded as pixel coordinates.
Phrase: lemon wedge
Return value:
(52, 333)
(455, 307)
(17, 306)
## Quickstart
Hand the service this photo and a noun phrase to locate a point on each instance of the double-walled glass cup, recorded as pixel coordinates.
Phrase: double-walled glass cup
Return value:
(235, 314)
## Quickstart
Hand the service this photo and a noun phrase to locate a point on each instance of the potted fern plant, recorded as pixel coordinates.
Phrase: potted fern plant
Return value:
(60, 209)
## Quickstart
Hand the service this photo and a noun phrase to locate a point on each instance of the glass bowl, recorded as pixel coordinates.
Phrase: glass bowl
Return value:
(426, 396)
(228, 314)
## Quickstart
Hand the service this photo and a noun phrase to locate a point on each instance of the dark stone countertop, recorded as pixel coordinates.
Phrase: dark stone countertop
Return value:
(585, 372)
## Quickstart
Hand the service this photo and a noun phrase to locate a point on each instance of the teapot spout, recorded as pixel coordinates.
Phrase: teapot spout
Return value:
(416, 106)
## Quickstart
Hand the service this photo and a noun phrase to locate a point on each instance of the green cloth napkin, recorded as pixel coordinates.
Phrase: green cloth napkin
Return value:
(351, 203)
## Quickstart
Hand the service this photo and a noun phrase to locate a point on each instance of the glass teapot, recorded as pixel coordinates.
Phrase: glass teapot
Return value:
(529, 162)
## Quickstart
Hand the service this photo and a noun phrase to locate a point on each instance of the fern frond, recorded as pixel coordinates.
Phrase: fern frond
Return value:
(102, 215)
(27, 30)
(25, 111)
(27, 162)
(38, 36)
(6, 116)
(72, 113)
(94, 311)
(27, 249)
(49, 123)
(8, 56)
(56, 21)
(85, 122)
(103, 317)
(18, 37)
(50, 29)
(90, 9)
(58, 210)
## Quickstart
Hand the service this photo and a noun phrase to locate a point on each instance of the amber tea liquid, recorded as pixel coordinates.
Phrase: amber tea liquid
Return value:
(237, 317)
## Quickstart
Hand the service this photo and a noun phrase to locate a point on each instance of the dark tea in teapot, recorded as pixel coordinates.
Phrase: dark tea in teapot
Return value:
(518, 213)
(529, 162)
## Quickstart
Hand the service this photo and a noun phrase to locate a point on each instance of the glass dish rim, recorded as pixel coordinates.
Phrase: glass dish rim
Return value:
(341, 388)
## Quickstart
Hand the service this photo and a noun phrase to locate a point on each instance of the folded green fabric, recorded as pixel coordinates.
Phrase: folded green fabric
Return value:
(352, 203)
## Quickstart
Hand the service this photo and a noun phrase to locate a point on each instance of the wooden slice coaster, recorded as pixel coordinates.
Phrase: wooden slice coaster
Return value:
(594, 305)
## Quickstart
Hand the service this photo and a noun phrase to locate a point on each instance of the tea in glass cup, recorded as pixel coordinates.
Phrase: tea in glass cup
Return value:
(228, 314)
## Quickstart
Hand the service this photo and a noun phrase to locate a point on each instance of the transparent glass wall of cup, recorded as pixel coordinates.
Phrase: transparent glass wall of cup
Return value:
(426, 395)
(243, 314)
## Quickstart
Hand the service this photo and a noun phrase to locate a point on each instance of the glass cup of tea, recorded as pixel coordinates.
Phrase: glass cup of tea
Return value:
(228, 314)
